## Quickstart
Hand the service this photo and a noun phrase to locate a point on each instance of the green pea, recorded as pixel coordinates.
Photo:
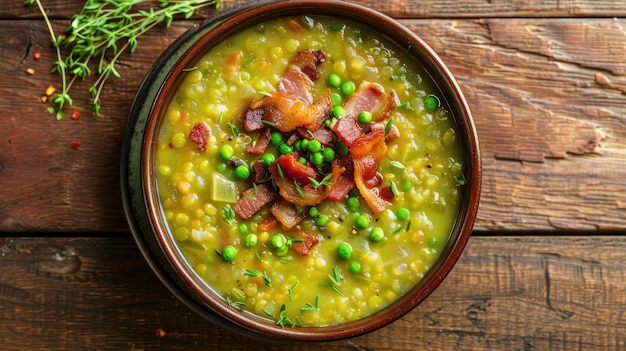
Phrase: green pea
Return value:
(268, 159)
(365, 117)
(353, 204)
(242, 172)
(377, 234)
(334, 80)
(298, 145)
(342, 148)
(328, 122)
(282, 251)
(328, 154)
(431, 102)
(302, 160)
(403, 214)
(243, 229)
(229, 253)
(338, 111)
(251, 240)
(285, 149)
(406, 185)
(432, 242)
(276, 138)
(305, 145)
(362, 221)
(347, 88)
(226, 152)
(314, 146)
(313, 212)
(322, 220)
(336, 99)
(344, 251)
(316, 159)
(355, 267)
(277, 241)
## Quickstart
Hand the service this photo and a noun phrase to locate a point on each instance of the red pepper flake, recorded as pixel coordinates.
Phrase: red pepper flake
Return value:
(160, 333)
(75, 144)
(30, 71)
(37, 55)
(75, 115)
(200, 135)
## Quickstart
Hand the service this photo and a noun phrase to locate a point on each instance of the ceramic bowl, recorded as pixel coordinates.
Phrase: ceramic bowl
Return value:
(140, 198)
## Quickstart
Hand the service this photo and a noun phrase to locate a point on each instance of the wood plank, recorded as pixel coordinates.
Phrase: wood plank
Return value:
(396, 9)
(506, 293)
(548, 96)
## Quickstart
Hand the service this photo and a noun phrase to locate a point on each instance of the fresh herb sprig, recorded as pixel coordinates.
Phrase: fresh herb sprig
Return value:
(102, 31)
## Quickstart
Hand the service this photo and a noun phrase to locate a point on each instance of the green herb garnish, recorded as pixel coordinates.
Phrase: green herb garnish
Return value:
(290, 290)
(298, 189)
(229, 214)
(388, 125)
(407, 106)
(283, 319)
(102, 31)
(312, 307)
(253, 273)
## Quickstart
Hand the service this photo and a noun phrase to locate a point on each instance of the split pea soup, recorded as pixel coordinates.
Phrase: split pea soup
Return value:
(309, 171)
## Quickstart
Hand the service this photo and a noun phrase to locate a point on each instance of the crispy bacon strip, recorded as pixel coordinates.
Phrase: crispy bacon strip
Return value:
(373, 98)
(293, 170)
(286, 112)
(367, 152)
(292, 105)
(302, 195)
(304, 247)
(286, 213)
(261, 143)
(252, 201)
(345, 182)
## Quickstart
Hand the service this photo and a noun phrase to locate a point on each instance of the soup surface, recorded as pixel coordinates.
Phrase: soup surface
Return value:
(308, 171)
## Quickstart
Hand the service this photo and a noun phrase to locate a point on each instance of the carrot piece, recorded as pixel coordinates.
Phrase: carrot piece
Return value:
(268, 224)
(294, 25)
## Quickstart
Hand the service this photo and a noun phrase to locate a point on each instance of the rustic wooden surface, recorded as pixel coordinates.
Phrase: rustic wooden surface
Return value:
(544, 271)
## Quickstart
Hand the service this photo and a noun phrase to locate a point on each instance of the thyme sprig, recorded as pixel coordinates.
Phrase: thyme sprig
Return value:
(102, 31)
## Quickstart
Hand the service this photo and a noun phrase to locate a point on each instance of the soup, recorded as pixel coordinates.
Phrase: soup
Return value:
(308, 171)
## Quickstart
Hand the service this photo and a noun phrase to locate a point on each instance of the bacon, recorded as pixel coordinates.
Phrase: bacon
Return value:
(367, 152)
(285, 112)
(345, 182)
(302, 195)
(258, 171)
(293, 170)
(323, 135)
(286, 213)
(301, 74)
(292, 105)
(200, 134)
(373, 98)
(253, 200)
(261, 143)
(303, 247)
(347, 129)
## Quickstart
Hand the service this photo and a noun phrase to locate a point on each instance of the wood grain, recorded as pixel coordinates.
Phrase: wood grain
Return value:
(397, 9)
(506, 293)
(552, 135)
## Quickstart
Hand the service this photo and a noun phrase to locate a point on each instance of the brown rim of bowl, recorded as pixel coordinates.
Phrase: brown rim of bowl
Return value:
(404, 38)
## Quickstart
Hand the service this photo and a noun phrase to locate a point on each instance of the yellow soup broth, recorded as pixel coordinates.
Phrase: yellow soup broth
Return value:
(387, 252)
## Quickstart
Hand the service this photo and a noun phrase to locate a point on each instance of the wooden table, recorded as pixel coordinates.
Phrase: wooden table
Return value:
(544, 270)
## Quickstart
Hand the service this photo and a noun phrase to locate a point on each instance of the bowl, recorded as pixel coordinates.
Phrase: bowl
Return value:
(140, 191)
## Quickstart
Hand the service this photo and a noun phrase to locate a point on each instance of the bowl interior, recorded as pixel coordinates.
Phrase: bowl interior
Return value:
(138, 163)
